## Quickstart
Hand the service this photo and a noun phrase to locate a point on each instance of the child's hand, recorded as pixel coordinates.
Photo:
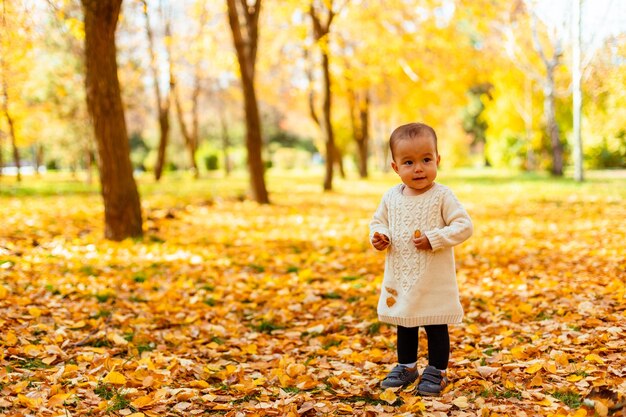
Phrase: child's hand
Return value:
(380, 241)
(422, 243)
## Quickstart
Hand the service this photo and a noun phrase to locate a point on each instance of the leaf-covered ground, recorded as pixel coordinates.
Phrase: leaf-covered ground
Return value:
(229, 308)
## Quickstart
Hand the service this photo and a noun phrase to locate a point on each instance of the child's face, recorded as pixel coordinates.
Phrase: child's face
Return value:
(416, 161)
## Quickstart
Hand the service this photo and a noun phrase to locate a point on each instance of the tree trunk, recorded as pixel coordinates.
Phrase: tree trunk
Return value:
(7, 115)
(1, 154)
(577, 93)
(190, 135)
(327, 127)
(549, 87)
(246, 48)
(122, 208)
(163, 105)
(551, 125)
(164, 128)
(225, 144)
(254, 143)
(362, 139)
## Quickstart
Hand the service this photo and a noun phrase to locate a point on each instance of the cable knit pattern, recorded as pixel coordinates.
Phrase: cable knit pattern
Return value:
(419, 287)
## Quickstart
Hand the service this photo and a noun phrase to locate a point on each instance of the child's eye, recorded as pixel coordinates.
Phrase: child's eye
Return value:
(408, 162)
(427, 160)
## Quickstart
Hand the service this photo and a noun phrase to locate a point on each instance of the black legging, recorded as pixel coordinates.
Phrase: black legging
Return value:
(438, 345)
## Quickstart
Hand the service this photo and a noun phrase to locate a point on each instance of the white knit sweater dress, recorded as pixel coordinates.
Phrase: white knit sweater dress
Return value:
(419, 287)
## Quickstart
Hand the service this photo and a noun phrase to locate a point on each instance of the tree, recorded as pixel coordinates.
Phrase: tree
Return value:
(322, 15)
(15, 47)
(163, 103)
(243, 17)
(191, 132)
(122, 208)
(550, 63)
(576, 92)
(9, 117)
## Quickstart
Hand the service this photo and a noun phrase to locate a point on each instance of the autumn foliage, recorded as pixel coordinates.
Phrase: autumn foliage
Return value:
(227, 307)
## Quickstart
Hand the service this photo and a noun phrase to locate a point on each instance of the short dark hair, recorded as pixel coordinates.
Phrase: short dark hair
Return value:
(411, 131)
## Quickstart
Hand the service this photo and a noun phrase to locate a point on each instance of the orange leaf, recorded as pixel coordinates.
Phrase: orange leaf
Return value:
(143, 401)
(390, 301)
(391, 291)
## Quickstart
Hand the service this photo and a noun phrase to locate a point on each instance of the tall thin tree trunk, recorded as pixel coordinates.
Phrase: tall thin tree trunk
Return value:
(577, 94)
(552, 126)
(10, 121)
(163, 104)
(361, 133)
(327, 127)
(189, 134)
(321, 31)
(122, 208)
(246, 48)
(225, 143)
(549, 91)
(1, 154)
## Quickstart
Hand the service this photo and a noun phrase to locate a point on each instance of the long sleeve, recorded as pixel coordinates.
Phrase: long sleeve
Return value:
(380, 221)
(458, 225)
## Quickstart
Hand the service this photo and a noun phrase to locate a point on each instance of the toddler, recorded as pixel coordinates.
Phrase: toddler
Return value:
(419, 222)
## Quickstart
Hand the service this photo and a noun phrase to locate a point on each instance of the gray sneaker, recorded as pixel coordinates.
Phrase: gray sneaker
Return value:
(400, 376)
(433, 381)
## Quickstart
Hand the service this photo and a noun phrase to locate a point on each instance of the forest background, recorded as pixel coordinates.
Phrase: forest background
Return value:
(494, 78)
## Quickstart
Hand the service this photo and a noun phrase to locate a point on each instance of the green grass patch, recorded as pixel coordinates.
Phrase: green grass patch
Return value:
(31, 364)
(507, 393)
(267, 327)
(569, 398)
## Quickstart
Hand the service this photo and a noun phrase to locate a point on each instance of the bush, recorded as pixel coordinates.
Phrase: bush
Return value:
(211, 162)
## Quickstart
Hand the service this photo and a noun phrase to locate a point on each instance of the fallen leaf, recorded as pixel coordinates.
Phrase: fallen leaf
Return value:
(115, 378)
(389, 396)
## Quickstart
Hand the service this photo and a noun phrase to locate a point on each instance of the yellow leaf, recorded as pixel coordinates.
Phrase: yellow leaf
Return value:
(10, 339)
(389, 396)
(4, 293)
(31, 403)
(518, 352)
(295, 369)
(250, 349)
(57, 400)
(32, 350)
(198, 383)
(136, 415)
(574, 378)
(34, 311)
(592, 357)
(115, 378)
(534, 368)
(550, 367)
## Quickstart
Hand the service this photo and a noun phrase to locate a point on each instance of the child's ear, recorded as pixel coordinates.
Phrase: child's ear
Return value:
(438, 159)
(394, 166)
